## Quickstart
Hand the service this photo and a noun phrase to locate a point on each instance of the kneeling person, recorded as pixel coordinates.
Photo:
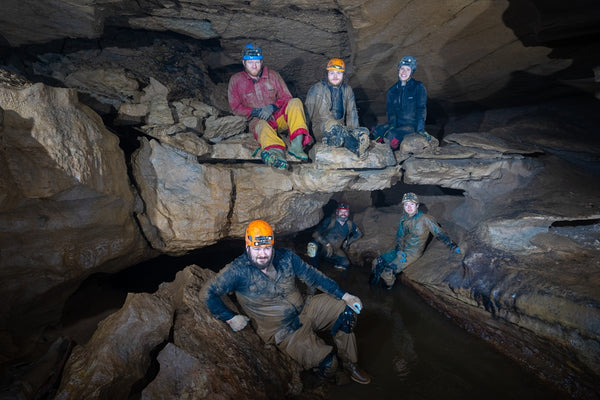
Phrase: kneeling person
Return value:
(333, 238)
(264, 282)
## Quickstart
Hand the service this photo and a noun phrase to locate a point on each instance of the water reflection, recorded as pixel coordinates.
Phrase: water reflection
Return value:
(411, 350)
(414, 352)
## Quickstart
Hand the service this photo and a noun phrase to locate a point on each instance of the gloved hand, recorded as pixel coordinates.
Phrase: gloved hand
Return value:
(238, 322)
(402, 256)
(426, 135)
(266, 112)
(328, 250)
(353, 302)
(456, 249)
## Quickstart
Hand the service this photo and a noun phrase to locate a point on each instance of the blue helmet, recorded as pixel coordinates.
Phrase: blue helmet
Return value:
(408, 61)
(252, 52)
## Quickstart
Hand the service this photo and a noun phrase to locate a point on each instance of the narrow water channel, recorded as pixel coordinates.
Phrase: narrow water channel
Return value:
(412, 351)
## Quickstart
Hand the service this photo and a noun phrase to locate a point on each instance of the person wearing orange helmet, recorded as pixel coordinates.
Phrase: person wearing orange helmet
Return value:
(331, 109)
(261, 96)
(264, 282)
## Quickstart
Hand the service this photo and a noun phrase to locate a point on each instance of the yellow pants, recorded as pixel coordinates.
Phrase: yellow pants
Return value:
(292, 119)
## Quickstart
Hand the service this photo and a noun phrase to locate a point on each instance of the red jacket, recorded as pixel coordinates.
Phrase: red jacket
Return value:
(244, 93)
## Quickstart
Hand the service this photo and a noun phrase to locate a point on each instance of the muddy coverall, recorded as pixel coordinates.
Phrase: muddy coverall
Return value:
(245, 93)
(319, 108)
(406, 112)
(328, 106)
(277, 309)
(411, 238)
(332, 232)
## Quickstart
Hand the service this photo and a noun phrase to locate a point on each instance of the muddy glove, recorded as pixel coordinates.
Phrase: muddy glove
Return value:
(265, 112)
(238, 322)
(353, 302)
(425, 135)
(328, 250)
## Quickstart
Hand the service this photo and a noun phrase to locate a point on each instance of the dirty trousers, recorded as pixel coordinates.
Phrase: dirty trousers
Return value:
(292, 119)
(319, 315)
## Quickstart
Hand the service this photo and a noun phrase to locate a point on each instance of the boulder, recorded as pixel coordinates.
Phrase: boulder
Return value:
(65, 207)
(199, 356)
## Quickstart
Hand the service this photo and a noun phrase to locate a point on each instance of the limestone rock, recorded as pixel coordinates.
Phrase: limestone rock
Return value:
(490, 142)
(378, 156)
(159, 112)
(178, 136)
(66, 203)
(218, 129)
(200, 361)
(186, 203)
(239, 147)
(415, 144)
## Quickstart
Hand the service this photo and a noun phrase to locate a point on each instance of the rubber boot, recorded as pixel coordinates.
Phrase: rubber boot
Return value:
(274, 158)
(296, 149)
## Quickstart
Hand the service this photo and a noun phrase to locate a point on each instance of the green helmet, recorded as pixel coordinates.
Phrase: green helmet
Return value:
(410, 197)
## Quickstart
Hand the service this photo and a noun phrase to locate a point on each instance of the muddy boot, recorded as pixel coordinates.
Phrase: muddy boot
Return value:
(357, 141)
(296, 149)
(274, 158)
(334, 136)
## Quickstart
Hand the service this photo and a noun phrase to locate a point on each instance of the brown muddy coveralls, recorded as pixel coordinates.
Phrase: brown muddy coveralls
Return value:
(277, 309)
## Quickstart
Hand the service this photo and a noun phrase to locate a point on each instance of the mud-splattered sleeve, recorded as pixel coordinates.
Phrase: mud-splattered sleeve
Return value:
(439, 233)
(225, 282)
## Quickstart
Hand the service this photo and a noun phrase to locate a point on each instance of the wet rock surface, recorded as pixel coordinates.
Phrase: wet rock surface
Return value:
(125, 148)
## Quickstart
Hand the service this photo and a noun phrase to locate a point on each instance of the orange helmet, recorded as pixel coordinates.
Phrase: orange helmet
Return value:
(259, 234)
(336, 64)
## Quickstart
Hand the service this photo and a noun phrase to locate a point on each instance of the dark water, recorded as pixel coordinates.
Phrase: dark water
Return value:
(411, 350)
(414, 352)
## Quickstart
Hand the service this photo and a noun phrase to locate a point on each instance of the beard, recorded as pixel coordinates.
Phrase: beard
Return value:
(342, 219)
(260, 263)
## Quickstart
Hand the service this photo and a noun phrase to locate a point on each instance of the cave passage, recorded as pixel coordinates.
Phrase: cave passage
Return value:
(411, 350)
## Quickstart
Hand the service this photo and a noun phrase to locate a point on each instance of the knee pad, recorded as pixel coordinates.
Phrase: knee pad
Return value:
(345, 322)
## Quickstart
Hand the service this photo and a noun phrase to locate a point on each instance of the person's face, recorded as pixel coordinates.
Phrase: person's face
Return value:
(343, 215)
(410, 207)
(260, 256)
(253, 67)
(335, 77)
(404, 73)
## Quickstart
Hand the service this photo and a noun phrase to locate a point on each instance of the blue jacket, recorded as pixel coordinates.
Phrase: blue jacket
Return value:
(407, 105)
(272, 305)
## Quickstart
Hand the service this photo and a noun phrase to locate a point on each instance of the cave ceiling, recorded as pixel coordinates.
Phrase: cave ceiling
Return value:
(468, 51)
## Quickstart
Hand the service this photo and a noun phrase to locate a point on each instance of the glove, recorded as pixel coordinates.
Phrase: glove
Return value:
(266, 112)
(456, 249)
(328, 250)
(353, 302)
(402, 256)
(426, 135)
(238, 322)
